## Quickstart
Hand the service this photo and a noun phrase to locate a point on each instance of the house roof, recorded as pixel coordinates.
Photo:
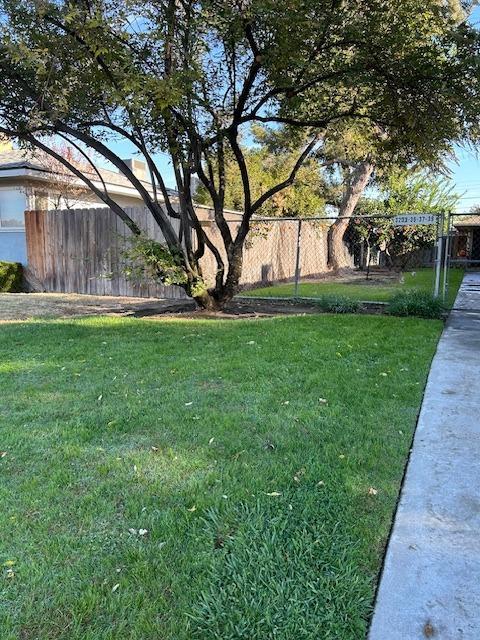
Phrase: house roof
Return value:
(35, 161)
(467, 221)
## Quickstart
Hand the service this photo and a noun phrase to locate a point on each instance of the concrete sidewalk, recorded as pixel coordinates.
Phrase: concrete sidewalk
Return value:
(430, 587)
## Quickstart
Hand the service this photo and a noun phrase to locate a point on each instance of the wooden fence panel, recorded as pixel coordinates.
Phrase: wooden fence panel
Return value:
(121, 233)
(80, 251)
(36, 242)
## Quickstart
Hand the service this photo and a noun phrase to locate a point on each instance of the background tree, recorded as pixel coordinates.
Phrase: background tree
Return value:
(401, 191)
(269, 156)
(66, 190)
(189, 77)
(359, 157)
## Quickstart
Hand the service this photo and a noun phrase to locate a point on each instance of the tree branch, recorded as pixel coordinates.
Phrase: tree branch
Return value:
(289, 181)
(98, 192)
(156, 210)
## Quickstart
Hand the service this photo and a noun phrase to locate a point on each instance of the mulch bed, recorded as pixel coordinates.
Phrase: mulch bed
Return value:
(241, 308)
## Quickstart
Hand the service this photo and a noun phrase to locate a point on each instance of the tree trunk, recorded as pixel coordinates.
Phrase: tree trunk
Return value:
(208, 302)
(216, 298)
(339, 256)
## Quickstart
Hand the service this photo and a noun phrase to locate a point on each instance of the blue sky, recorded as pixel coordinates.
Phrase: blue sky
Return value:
(466, 178)
(465, 170)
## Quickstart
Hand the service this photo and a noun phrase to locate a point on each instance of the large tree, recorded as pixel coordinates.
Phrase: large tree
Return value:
(189, 77)
(361, 161)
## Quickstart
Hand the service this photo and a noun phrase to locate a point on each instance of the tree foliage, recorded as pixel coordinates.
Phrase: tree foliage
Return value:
(190, 77)
(402, 191)
(268, 158)
(411, 191)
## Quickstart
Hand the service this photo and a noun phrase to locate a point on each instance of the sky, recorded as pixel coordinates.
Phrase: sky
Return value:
(465, 177)
(464, 171)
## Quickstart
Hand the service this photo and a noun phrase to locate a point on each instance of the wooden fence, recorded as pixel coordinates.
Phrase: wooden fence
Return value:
(79, 251)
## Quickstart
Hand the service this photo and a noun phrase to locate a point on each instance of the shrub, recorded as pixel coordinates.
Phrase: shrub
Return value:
(338, 304)
(11, 277)
(147, 260)
(416, 303)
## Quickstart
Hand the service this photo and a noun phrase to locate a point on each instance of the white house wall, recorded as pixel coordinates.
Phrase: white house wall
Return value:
(90, 202)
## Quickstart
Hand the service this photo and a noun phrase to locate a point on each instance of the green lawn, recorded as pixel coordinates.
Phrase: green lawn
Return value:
(368, 291)
(263, 458)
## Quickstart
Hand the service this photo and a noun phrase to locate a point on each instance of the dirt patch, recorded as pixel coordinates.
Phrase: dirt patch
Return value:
(25, 306)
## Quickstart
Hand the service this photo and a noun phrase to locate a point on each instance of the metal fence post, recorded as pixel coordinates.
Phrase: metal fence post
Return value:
(438, 256)
(297, 262)
(446, 258)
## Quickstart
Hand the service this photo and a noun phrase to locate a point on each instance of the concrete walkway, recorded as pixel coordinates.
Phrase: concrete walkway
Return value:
(430, 587)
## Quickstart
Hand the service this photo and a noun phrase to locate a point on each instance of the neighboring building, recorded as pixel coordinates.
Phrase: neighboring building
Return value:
(466, 240)
(27, 181)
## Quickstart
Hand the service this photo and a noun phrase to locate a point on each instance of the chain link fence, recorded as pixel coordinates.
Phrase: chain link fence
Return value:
(368, 258)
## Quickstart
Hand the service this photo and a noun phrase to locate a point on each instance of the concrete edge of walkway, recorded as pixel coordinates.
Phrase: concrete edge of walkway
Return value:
(430, 581)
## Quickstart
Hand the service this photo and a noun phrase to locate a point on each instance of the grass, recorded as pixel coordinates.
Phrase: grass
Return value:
(263, 458)
(368, 291)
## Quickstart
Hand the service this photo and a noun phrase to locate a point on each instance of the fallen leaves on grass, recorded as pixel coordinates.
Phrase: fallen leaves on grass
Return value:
(298, 476)
(138, 532)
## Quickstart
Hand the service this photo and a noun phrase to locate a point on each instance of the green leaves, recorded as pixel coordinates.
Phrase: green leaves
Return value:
(148, 260)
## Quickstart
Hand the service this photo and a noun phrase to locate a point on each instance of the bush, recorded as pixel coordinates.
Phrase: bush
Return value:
(11, 277)
(338, 304)
(416, 303)
(147, 260)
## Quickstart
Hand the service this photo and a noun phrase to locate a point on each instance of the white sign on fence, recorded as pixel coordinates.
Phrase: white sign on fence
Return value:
(415, 218)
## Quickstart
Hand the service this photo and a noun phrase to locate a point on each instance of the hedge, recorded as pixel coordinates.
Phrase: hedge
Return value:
(11, 277)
